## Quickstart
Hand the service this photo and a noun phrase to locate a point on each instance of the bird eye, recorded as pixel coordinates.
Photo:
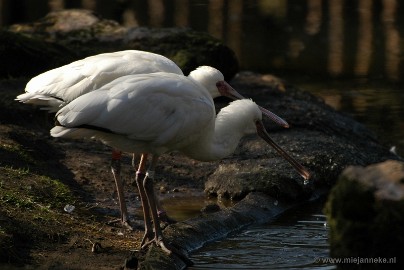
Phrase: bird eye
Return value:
(219, 84)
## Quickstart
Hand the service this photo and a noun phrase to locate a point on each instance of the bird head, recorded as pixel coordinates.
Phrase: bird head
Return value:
(213, 80)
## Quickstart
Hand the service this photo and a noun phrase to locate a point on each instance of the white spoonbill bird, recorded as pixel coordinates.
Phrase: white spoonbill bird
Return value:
(56, 88)
(161, 112)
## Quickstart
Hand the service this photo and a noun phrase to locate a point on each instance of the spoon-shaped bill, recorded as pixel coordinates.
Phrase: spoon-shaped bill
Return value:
(264, 135)
(274, 117)
(226, 90)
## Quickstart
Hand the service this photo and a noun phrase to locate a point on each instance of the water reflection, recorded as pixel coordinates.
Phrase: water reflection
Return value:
(377, 105)
(297, 240)
(180, 206)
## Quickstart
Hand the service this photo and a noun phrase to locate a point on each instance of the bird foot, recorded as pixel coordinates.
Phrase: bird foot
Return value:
(147, 239)
(168, 249)
(159, 243)
(125, 224)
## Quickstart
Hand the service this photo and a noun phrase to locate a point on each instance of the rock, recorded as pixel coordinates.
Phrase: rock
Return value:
(365, 214)
(322, 139)
(28, 56)
(210, 208)
(156, 259)
(82, 33)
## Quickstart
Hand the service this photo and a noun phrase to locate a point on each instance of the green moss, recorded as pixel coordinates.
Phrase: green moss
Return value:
(32, 209)
(349, 211)
(38, 192)
(17, 150)
(362, 226)
(15, 199)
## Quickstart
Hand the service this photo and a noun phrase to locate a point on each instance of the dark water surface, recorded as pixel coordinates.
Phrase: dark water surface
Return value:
(297, 240)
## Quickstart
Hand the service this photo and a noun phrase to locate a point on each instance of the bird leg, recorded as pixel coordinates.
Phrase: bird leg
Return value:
(149, 189)
(135, 157)
(116, 172)
(158, 235)
(140, 174)
(143, 198)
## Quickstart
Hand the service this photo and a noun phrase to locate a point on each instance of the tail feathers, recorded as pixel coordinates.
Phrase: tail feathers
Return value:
(45, 102)
(73, 133)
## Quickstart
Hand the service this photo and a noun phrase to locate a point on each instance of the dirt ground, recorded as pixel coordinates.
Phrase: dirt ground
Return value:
(40, 175)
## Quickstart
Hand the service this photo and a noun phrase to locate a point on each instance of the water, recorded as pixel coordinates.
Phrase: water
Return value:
(297, 240)
(182, 206)
(378, 105)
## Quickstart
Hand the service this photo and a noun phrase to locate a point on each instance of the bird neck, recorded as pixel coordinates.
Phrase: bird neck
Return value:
(220, 141)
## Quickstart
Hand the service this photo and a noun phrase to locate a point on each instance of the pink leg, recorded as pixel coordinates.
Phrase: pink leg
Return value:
(149, 191)
(140, 174)
(158, 235)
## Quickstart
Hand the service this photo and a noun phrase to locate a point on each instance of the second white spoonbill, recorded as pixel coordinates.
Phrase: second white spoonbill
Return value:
(158, 113)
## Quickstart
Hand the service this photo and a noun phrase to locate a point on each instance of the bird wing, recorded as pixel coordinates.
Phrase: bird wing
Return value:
(80, 77)
(160, 109)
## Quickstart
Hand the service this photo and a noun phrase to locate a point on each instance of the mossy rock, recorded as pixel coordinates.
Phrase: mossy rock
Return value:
(365, 214)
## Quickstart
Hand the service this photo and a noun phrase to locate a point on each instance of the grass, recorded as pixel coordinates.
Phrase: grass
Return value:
(32, 210)
(19, 151)
(32, 218)
(22, 189)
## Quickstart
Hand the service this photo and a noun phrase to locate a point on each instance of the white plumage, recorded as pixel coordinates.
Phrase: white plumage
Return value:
(161, 112)
(59, 86)
(144, 113)
(141, 102)
(55, 88)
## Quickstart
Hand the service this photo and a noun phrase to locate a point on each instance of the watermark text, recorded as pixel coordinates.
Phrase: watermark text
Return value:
(356, 260)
